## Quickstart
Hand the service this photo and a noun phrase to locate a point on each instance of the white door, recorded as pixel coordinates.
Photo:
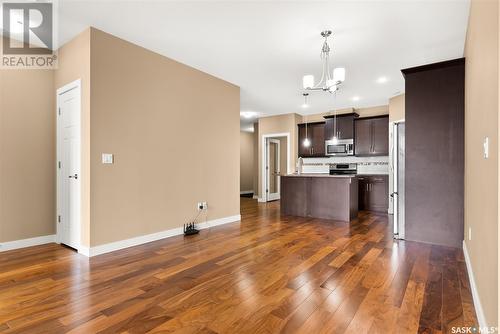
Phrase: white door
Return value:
(273, 169)
(399, 179)
(68, 165)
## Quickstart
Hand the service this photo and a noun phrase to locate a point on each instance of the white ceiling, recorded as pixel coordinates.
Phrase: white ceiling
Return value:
(265, 47)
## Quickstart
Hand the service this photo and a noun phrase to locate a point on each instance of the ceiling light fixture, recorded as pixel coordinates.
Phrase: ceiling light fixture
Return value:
(355, 98)
(330, 81)
(248, 114)
(382, 80)
(335, 139)
(306, 142)
(305, 104)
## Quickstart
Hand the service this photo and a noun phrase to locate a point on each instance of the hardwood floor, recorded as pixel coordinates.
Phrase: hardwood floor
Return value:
(268, 274)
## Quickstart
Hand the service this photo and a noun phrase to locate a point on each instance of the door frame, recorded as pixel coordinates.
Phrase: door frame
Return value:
(278, 143)
(264, 197)
(68, 87)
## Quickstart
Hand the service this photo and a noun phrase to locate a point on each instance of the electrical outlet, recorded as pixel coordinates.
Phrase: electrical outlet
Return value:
(470, 233)
(107, 158)
(202, 206)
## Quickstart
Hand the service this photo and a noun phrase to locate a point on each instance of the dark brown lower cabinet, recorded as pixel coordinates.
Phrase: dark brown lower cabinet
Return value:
(373, 194)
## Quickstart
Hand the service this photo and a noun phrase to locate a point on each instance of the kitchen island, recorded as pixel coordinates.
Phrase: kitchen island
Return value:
(320, 196)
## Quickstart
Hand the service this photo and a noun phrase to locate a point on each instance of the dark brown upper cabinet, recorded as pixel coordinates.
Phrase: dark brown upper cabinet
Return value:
(344, 128)
(371, 136)
(363, 137)
(316, 135)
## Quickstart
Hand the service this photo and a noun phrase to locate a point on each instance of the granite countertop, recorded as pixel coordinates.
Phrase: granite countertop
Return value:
(328, 175)
(319, 175)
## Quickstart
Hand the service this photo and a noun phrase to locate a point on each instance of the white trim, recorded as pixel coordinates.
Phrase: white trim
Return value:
(84, 250)
(244, 192)
(473, 287)
(22, 243)
(263, 160)
(255, 196)
(117, 245)
(76, 84)
(261, 200)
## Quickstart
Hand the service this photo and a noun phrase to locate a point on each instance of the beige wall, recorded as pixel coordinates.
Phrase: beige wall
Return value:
(255, 159)
(174, 132)
(27, 154)
(74, 64)
(397, 108)
(481, 175)
(283, 155)
(247, 167)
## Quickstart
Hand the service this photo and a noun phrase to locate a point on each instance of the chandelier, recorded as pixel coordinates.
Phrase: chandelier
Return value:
(330, 80)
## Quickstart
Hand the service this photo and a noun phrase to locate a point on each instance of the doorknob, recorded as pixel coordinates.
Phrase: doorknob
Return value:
(74, 176)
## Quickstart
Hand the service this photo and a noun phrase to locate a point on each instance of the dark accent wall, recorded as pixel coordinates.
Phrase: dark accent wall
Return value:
(434, 175)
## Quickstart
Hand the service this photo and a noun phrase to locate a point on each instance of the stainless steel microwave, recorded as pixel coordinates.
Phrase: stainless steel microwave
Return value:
(341, 147)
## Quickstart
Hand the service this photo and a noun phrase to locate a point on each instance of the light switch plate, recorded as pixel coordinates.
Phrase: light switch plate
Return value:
(486, 148)
(107, 158)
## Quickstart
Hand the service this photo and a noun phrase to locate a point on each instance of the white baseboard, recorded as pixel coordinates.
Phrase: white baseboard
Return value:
(261, 200)
(255, 197)
(84, 251)
(475, 294)
(117, 245)
(16, 244)
(245, 192)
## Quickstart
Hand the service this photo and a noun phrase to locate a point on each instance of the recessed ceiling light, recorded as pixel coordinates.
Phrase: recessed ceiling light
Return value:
(248, 114)
(382, 80)
(355, 98)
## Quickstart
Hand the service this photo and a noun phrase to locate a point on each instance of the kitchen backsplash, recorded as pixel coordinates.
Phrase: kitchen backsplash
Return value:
(366, 165)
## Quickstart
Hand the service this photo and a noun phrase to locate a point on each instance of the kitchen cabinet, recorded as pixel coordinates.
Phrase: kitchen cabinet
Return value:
(373, 192)
(344, 129)
(371, 136)
(362, 137)
(316, 135)
(380, 134)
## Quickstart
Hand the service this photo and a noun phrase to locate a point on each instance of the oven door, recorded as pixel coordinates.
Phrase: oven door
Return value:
(336, 149)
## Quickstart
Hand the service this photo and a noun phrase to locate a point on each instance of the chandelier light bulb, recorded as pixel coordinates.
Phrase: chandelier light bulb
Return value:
(308, 81)
(333, 88)
(339, 74)
(306, 142)
(335, 140)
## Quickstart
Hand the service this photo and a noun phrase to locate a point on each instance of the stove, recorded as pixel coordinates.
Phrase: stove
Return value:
(343, 169)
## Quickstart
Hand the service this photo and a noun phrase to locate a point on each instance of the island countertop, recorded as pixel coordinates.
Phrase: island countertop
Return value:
(320, 175)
